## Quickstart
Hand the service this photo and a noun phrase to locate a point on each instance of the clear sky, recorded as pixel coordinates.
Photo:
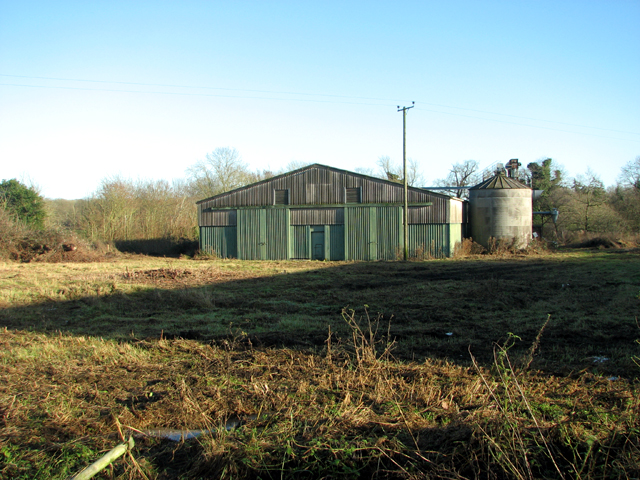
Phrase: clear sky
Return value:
(143, 89)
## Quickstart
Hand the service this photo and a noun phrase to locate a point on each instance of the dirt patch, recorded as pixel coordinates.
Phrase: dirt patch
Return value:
(158, 273)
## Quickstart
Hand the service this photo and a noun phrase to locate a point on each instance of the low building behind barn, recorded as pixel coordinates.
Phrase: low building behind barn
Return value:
(324, 213)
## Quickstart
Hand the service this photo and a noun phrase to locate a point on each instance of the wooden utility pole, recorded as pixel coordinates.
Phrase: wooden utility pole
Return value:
(404, 174)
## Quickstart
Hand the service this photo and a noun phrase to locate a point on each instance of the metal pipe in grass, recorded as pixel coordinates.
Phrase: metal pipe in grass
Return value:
(105, 460)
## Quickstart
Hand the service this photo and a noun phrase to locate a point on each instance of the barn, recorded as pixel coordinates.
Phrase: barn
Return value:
(324, 213)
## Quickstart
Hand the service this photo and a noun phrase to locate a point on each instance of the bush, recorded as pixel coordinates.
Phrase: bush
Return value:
(22, 203)
(23, 244)
(467, 247)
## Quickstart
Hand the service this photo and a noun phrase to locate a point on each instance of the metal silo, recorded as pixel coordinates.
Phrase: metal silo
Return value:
(500, 207)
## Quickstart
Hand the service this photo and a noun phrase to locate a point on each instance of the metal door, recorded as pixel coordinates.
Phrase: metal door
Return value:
(317, 245)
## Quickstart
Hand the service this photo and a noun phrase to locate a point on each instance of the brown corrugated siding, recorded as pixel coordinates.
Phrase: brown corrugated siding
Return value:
(217, 218)
(317, 216)
(422, 215)
(322, 185)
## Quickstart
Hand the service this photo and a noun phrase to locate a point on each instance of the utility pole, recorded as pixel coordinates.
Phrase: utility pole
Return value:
(404, 173)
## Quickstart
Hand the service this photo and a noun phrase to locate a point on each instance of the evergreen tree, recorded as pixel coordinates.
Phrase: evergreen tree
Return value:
(548, 177)
(23, 203)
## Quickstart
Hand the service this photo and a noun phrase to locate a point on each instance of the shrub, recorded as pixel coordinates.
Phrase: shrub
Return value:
(467, 247)
(23, 203)
(20, 243)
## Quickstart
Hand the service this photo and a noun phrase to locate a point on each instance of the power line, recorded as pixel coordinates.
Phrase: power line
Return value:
(534, 126)
(529, 118)
(306, 100)
(200, 87)
(193, 94)
(275, 92)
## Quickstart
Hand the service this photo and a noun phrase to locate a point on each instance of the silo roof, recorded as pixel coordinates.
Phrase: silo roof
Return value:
(499, 181)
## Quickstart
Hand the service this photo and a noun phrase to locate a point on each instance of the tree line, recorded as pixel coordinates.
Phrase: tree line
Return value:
(123, 209)
(584, 204)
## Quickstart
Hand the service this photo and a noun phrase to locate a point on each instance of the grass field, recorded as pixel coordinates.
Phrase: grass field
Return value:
(500, 367)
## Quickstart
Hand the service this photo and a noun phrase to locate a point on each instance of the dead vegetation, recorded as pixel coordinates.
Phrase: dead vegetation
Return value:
(604, 241)
(350, 411)
(439, 384)
(20, 243)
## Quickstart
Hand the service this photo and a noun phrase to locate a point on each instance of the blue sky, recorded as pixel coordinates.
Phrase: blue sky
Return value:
(144, 89)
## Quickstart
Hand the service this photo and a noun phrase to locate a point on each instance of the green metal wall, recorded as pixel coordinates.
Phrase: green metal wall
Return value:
(220, 241)
(300, 240)
(357, 222)
(251, 234)
(389, 235)
(263, 234)
(277, 234)
(335, 234)
(427, 241)
(373, 233)
(369, 233)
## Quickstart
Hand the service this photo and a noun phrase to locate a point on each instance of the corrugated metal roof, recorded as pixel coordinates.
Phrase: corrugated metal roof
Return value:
(499, 181)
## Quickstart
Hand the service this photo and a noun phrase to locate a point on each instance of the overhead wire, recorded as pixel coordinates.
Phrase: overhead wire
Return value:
(388, 102)
(527, 125)
(192, 94)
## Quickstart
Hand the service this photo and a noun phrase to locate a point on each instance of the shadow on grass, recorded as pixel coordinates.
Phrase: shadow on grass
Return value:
(440, 309)
(159, 247)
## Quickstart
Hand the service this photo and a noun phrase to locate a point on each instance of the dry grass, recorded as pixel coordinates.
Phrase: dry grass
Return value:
(500, 248)
(614, 240)
(353, 404)
(53, 245)
(355, 413)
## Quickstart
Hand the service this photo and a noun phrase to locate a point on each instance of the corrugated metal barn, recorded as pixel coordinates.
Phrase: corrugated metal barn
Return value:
(324, 213)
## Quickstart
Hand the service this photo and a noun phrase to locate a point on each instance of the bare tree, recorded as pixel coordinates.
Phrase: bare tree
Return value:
(590, 195)
(393, 171)
(123, 209)
(387, 169)
(465, 174)
(365, 171)
(295, 165)
(221, 171)
(630, 174)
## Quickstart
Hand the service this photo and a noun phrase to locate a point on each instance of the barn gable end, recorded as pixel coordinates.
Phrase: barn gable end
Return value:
(324, 213)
